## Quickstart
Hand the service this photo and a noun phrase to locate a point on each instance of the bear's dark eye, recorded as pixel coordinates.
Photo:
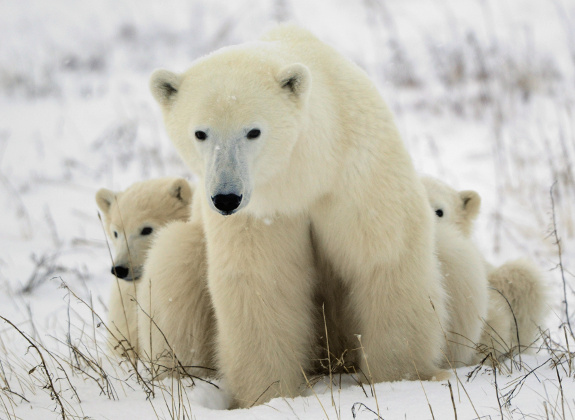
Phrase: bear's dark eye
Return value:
(115, 234)
(146, 231)
(253, 134)
(439, 212)
(201, 135)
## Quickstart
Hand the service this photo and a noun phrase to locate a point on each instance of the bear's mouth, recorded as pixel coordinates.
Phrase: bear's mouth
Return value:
(130, 279)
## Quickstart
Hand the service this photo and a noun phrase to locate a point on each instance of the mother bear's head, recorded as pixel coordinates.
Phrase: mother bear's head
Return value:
(234, 118)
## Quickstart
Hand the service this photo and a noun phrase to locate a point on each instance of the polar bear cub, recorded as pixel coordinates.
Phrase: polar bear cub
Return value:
(515, 291)
(131, 220)
(463, 268)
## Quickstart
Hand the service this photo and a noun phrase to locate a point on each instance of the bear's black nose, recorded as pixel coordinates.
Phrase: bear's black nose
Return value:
(227, 203)
(120, 272)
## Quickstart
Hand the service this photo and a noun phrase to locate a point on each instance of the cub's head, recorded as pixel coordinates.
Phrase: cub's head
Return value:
(458, 208)
(132, 217)
(234, 118)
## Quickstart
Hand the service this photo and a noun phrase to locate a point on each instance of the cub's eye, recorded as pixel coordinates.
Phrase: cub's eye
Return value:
(253, 134)
(439, 212)
(115, 234)
(146, 231)
(201, 135)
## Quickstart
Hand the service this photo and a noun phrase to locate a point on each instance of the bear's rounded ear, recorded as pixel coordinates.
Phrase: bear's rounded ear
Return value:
(104, 199)
(471, 203)
(164, 86)
(295, 79)
(181, 190)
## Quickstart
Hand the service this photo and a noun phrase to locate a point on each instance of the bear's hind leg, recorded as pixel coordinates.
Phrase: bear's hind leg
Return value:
(401, 332)
(396, 292)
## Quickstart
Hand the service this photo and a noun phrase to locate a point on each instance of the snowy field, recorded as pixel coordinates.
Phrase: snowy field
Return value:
(484, 95)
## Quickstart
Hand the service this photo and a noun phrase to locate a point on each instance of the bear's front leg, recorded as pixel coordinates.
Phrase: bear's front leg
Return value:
(261, 278)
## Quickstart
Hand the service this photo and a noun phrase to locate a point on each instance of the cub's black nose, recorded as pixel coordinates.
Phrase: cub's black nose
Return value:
(120, 272)
(227, 203)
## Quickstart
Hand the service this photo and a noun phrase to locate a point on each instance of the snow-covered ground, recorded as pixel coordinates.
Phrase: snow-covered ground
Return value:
(484, 96)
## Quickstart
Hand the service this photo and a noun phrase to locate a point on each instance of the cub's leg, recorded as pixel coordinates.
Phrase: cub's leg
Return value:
(176, 320)
(123, 318)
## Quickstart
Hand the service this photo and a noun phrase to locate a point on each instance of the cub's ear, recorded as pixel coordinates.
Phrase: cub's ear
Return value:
(295, 79)
(471, 203)
(181, 190)
(104, 199)
(164, 86)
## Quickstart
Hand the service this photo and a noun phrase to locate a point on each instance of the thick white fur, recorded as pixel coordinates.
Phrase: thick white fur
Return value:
(463, 268)
(466, 285)
(329, 160)
(148, 204)
(176, 322)
(522, 285)
(516, 298)
(498, 328)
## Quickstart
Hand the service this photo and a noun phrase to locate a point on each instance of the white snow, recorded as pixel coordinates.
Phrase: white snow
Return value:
(483, 93)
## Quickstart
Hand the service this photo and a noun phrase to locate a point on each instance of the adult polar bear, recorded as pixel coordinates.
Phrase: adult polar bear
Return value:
(292, 141)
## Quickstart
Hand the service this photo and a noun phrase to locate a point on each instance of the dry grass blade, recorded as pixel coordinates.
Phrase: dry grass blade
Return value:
(371, 384)
(508, 396)
(53, 392)
(102, 379)
(497, 393)
(452, 399)
(180, 369)
(516, 326)
(452, 368)
(311, 389)
(355, 410)
(146, 385)
(328, 355)
(560, 257)
(561, 389)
